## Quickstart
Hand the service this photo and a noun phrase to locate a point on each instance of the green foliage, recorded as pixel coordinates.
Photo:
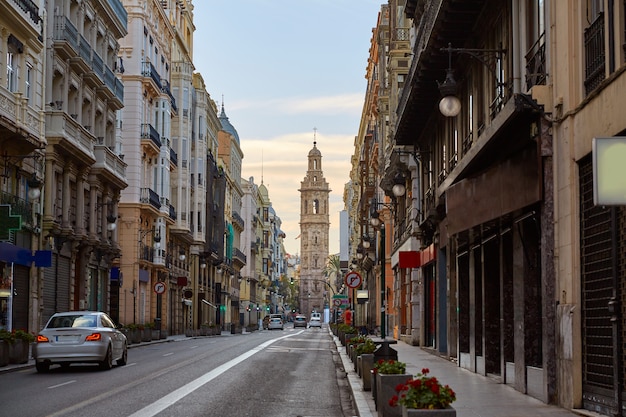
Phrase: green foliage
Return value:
(390, 366)
(368, 346)
(15, 335)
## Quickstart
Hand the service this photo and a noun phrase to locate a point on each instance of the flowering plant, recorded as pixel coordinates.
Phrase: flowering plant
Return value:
(423, 392)
(390, 366)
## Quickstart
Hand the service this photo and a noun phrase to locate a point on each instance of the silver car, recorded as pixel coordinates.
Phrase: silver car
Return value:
(275, 323)
(315, 322)
(80, 337)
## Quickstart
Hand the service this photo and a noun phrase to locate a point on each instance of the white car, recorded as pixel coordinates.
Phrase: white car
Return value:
(80, 337)
(315, 322)
(275, 323)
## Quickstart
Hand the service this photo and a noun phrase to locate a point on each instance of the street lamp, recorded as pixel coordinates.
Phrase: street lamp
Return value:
(450, 105)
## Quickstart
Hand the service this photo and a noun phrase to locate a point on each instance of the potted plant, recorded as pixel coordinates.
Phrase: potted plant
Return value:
(388, 374)
(424, 395)
(146, 332)
(19, 346)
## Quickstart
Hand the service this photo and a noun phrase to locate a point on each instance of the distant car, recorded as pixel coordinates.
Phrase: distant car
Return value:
(315, 322)
(80, 337)
(299, 321)
(275, 323)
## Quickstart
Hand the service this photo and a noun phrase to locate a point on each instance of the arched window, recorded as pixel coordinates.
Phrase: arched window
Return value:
(316, 206)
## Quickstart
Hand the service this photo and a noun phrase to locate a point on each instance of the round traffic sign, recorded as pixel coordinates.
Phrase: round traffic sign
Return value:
(353, 279)
(159, 287)
(337, 302)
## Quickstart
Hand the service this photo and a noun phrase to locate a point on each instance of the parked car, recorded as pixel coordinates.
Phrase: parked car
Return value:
(80, 337)
(299, 321)
(276, 323)
(315, 322)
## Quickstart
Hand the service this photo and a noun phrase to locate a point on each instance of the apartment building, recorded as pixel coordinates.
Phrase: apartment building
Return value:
(231, 156)
(85, 170)
(22, 148)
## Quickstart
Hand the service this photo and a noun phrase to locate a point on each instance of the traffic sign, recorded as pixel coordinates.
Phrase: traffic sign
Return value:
(353, 279)
(159, 287)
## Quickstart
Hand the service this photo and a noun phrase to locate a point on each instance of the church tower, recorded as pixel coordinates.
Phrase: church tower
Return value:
(314, 226)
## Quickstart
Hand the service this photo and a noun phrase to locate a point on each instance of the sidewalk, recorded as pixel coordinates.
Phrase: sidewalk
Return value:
(477, 395)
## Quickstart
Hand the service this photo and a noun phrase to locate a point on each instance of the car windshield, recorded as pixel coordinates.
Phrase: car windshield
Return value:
(78, 320)
(300, 318)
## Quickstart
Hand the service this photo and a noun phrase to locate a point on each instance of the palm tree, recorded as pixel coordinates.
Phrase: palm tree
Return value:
(332, 270)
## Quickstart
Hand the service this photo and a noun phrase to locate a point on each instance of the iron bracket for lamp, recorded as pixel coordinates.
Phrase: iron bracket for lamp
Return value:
(482, 55)
(144, 232)
(6, 157)
(413, 153)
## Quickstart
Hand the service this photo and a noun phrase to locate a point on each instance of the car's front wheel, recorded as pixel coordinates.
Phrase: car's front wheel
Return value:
(107, 363)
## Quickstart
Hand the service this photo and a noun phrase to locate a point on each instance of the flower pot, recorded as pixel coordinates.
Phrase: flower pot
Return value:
(18, 351)
(156, 334)
(415, 412)
(4, 353)
(385, 389)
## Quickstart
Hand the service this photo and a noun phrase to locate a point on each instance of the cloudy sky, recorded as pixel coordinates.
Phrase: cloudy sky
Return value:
(285, 68)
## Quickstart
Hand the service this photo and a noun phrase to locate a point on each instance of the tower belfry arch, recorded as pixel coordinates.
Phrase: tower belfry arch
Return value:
(314, 232)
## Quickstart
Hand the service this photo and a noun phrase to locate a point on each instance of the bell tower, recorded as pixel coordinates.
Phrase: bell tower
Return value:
(314, 226)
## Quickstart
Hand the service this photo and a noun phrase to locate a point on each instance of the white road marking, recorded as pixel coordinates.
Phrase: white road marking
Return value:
(168, 354)
(60, 385)
(175, 396)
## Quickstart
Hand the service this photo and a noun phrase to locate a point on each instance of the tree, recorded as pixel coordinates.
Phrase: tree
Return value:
(332, 270)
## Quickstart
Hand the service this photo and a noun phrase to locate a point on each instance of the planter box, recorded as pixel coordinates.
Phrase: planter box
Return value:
(135, 336)
(413, 412)
(146, 335)
(367, 364)
(4, 353)
(385, 389)
(156, 334)
(18, 351)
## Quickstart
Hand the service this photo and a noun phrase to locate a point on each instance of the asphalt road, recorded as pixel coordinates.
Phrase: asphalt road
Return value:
(294, 372)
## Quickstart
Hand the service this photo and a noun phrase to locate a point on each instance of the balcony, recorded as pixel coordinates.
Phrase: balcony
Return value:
(29, 8)
(238, 221)
(149, 132)
(172, 212)
(173, 157)
(146, 253)
(110, 165)
(148, 70)
(21, 117)
(64, 131)
(149, 196)
(166, 90)
(239, 257)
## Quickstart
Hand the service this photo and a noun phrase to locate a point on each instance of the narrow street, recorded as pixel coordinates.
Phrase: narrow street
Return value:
(280, 373)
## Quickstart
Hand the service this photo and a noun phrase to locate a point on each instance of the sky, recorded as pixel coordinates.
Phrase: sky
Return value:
(289, 72)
